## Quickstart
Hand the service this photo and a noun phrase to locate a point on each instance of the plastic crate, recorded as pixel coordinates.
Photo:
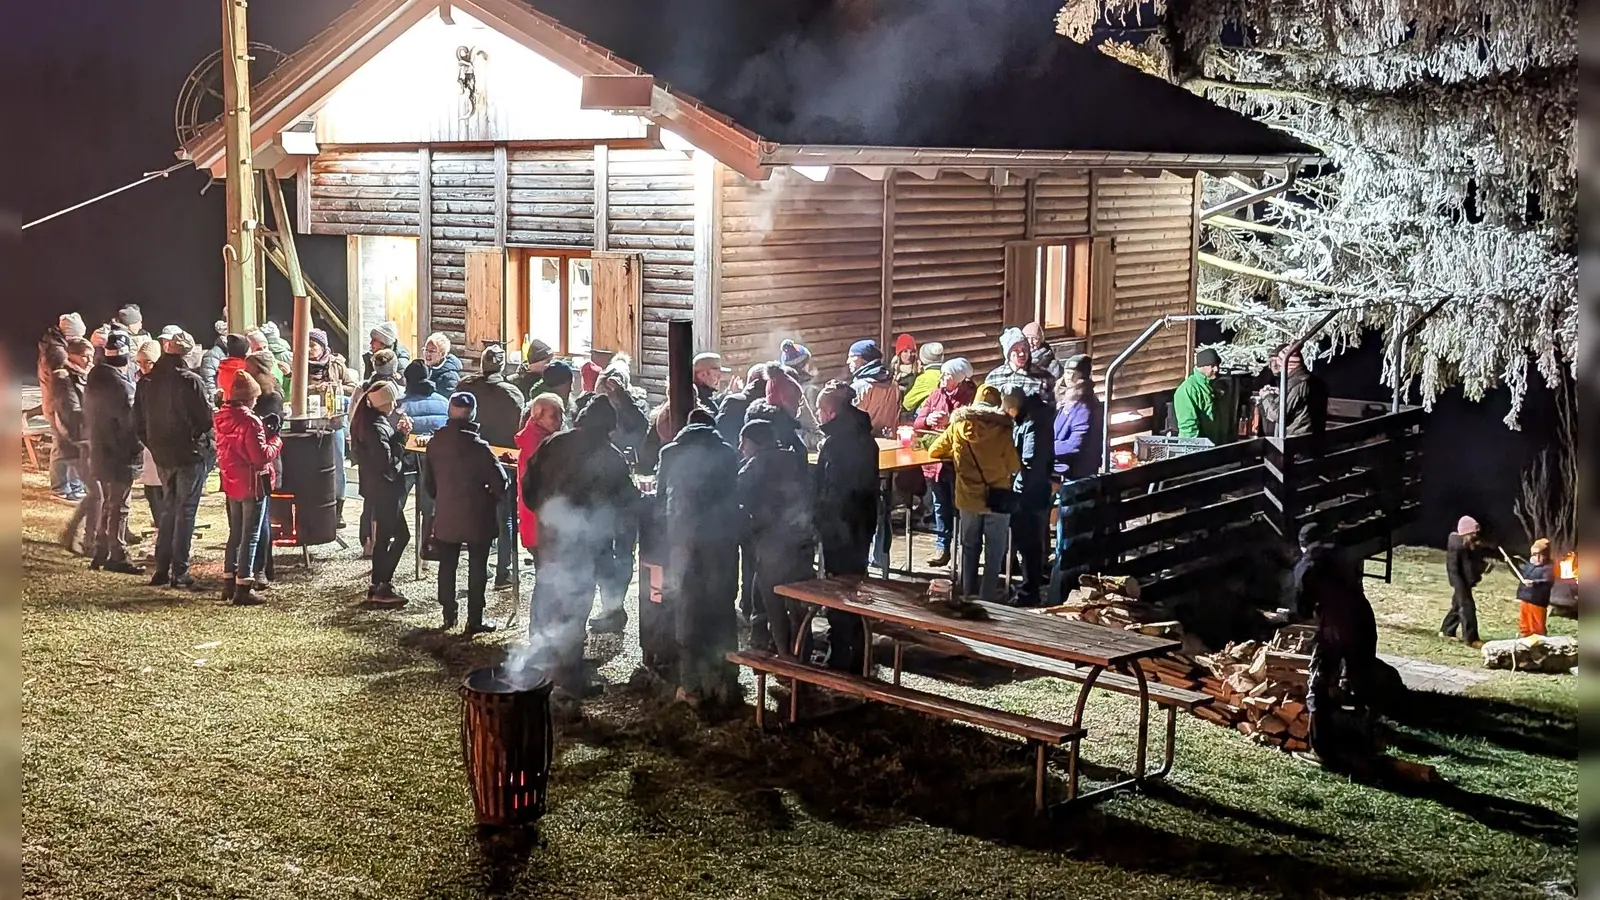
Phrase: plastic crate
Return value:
(1152, 447)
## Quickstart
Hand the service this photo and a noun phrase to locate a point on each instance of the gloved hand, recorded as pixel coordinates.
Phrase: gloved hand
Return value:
(273, 422)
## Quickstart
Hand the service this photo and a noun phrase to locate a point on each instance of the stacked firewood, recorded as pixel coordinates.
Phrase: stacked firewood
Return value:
(1260, 687)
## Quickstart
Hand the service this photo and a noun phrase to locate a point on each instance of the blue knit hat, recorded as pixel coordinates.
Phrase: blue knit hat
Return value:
(793, 354)
(466, 401)
(866, 349)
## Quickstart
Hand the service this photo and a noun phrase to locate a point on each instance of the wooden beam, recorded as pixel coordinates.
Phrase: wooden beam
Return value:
(707, 252)
(302, 197)
(886, 263)
(354, 340)
(602, 197)
(1030, 227)
(297, 289)
(239, 259)
(502, 199)
(680, 372)
(424, 242)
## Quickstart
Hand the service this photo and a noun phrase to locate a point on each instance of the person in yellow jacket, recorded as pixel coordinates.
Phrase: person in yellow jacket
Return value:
(978, 443)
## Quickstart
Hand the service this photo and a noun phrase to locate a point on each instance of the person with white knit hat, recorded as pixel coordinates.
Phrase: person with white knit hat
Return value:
(64, 482)
(1017, 370)
(386, 336)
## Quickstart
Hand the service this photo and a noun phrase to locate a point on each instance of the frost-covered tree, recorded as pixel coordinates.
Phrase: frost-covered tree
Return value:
(1449, 130)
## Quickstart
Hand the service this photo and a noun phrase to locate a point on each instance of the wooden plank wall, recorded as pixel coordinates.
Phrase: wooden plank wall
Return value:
(365, 192)
(800, 259)
(1152, 221)
(650, 211)
(551, 198)
(950, 263)
(463, 215)
(1061, 205)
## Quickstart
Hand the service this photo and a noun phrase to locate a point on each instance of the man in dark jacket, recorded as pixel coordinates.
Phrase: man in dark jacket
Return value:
(466, 483)
(115, 454)
(1327, 590)
(64, 480)
(1464, 564)
(172, 416)
(67, 429)
(775, 495)
(1034, 437)
(380, 454)
(700, 571)
(499, 418)
(579, 486)
(846, 479)
(529, 377)
(731, 412)
(1304, 404)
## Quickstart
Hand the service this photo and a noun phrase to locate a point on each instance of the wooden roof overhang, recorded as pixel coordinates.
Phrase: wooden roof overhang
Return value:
(308, 77)
(873, 160)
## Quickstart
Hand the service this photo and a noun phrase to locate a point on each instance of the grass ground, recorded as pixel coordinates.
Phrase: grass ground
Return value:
(174, 747)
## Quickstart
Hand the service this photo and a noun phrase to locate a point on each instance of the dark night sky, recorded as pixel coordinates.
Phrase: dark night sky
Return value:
(87, 106)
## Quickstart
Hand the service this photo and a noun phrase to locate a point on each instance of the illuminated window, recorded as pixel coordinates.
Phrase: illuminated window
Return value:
(1066, 286)
(559, 301)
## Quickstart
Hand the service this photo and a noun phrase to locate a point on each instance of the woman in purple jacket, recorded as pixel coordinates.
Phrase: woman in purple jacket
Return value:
(1078, 438)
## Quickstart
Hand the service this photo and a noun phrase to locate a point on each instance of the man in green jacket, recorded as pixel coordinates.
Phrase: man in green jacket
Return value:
(1194, 402)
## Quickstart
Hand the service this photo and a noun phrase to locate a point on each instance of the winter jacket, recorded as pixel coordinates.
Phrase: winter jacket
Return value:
(270, 404)
(785, 428)
(1305, 403)
(66, 412)
(114, 448)
(466, 482)
(846, 479)
(1194, 406)
(775, 496)
(446, 376)
(877, 395)
(1541, 580)
(331, 369)
(942, 401)
(1032, 434)
(1044, 359)
(172, 413)
(1327, 587)
(693, 486)
(1463, 565)
(226, 369)
(633, 428)
(402, 358)
(731, 414)
(380, 452)
(245, 452)
(213, 358)
(979, 443)
(499, 407)
(1078, 437)
(926, 382)
(579, 486)
(282, 352)
(529, 440)
(52, 356)
(428, 409)
(1032, 381)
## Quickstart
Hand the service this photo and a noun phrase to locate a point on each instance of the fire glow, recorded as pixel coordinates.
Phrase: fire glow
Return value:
(1569, 567)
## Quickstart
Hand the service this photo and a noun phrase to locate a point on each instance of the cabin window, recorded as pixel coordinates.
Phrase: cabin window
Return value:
(556, 301)
(1064, 285)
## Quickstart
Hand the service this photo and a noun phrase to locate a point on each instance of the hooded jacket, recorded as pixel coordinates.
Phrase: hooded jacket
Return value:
(67, 385)
(499, 407)
(226, 369)
(979, 443)
(702, 537)
(785, 428)
(446, 376)
(173, 414)
(633, 426)
(380, 452)
(846, 479)
(466, 482)
(214, 355)
(1463, 565)
(245, 452)
(775, 494)
(429, 410)
(1327, 588)
(877, 395)
(731, 414)
(114, 449)
(927, 381)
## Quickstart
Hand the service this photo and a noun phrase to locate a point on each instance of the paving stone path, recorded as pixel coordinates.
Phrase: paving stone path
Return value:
(1420, 675)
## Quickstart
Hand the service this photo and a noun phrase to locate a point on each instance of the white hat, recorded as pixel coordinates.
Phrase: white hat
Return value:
(1010, 338)
(957, 368)
(708, 360)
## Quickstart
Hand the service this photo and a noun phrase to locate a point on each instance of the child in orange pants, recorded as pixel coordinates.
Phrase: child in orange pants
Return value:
(1537, 577)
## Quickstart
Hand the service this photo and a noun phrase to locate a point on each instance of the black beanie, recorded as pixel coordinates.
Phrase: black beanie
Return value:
(416, 373)
(237, 345)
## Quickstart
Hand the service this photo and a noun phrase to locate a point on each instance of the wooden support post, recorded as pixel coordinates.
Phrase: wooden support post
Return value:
(239, 258)
(297, 288)
(502, 195)
(707, 252)
(680, 372)
(424, 246)
(886, 263)
(602, 200)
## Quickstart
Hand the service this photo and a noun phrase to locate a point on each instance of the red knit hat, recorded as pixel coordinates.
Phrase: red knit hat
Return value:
(903, 343)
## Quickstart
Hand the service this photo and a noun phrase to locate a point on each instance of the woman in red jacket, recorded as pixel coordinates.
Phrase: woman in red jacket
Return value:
(546, 415)
(246, 449)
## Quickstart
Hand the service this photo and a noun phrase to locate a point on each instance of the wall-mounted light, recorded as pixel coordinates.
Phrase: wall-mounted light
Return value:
(815, 173)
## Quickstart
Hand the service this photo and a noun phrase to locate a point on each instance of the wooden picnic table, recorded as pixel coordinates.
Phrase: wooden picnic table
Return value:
(904, 604)
(413, 445)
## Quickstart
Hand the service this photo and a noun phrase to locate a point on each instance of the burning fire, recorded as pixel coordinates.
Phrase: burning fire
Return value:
(1569, 567)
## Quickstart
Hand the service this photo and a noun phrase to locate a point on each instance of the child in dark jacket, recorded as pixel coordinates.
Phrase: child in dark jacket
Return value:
(246, 449)
(1464, 565)
(1538, 576)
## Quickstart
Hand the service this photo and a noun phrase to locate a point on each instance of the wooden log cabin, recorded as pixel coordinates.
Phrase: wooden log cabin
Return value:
(584, 171)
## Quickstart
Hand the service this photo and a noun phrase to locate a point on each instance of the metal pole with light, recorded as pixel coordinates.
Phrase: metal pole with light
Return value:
(238, 256)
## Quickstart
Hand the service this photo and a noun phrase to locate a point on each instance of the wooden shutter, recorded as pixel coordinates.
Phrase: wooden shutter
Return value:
(1103, 285)
(486, 296)
(618, 292)
(1020, 303)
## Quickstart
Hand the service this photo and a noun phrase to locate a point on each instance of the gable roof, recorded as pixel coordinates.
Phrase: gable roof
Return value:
(980, 82)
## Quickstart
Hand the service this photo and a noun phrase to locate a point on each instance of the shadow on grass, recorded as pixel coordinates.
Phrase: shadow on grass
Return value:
(1499, 813)
(1509, 725)
(868, 768)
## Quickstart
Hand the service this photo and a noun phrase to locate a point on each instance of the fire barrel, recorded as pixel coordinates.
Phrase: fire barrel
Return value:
(305, 507)
(507, 744)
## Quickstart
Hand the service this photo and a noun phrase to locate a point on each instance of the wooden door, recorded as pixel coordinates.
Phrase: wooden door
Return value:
(486, 296)
(618, 292)
(400, 303)
(1020, 302)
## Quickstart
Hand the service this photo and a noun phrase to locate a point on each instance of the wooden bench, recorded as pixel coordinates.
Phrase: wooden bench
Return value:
(1040, 734)
(1170, 698)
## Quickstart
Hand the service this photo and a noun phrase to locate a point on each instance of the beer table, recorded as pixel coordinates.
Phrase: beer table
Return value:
(416, 443)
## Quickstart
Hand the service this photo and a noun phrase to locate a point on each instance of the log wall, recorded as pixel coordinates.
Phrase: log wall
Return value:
(650, 211)
(800, 259)
(365, 192)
